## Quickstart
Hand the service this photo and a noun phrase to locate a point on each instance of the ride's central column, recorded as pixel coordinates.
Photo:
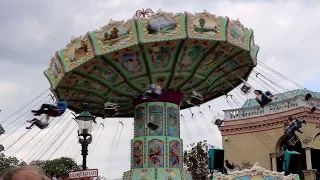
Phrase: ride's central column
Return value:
(157, 153)
(159, 148)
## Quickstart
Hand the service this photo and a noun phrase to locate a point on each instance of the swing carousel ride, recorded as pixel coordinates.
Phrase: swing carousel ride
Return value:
(193, 58)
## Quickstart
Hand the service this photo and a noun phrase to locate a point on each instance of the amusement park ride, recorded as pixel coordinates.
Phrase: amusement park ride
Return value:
(151, 67)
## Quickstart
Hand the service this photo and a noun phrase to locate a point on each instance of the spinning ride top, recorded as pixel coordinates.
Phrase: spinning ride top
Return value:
(192, 58)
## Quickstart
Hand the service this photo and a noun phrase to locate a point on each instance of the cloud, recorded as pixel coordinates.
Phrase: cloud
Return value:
(31, 32)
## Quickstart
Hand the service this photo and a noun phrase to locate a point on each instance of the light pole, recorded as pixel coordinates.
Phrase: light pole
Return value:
(85, 120)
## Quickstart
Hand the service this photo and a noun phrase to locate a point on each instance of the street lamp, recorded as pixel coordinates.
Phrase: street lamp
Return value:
(85, 120)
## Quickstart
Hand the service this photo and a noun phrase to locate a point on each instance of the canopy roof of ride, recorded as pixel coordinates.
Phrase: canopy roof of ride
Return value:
(283, 96)
(185, 52)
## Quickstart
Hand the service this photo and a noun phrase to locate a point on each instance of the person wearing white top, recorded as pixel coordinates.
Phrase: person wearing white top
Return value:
(153, 92)
(42, 123)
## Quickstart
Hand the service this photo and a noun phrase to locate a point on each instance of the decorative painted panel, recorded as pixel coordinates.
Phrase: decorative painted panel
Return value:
(156, 117)
(55, 71)
(238, 35)
(175, 152)
(127, 175)
(129, 61)
(78, 51)
(206, 26)
(316, 142)
(161, 26)
(114, 36)
(138, 153)
(253, 50)
(156, 152)
(139, 120)
(173, 120)
(166, 174)
(143, 174)
(161, 55)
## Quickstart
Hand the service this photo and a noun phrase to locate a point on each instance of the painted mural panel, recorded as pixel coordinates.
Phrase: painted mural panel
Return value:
(156, 153)
(137, 154)
(172, 174)
(316, 142)
(139, 122)
(127, 175)
(156, 117)
(144, 174)
(172, 122)
(174, 154)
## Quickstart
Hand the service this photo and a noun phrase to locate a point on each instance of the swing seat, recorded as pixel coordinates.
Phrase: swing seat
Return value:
(152, 126)
(110, 112)
(1, 148)
(196, 99)
(313, 109)
(307, 97)
(218, 122)
(2, 131)
(245, 89)
(293, 140)
(289, 131)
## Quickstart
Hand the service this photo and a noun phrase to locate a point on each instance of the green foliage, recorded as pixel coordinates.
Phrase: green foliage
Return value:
(196, 160)
(6, 162)
(61, 166)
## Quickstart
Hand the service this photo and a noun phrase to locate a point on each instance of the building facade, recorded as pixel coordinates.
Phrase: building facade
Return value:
(254, 134)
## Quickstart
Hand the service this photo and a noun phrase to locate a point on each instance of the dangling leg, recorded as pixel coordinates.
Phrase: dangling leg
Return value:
(39, 124)
(30, 121)
(33, 123)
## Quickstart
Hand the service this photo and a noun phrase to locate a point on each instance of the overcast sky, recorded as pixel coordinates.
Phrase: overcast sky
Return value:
(32, 31)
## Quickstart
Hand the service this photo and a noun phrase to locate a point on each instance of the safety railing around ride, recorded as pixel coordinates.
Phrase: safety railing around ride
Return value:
(270, 108)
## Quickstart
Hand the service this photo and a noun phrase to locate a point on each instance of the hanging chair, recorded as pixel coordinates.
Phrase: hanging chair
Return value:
(291, 136)
(2, 131)
(110, 109)
(307, 97)
(196, 99)
(245, 88)
(293, 140)
(218, 122)
(152, 126)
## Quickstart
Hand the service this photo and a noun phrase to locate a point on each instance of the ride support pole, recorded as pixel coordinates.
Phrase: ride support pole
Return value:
(84, 152)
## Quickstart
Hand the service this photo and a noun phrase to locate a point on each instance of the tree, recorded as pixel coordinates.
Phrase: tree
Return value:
(196, 160)
(61, 166)
(6, 162)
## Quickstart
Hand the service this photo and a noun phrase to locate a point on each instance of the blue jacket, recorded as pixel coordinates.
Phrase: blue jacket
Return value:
(62, 105)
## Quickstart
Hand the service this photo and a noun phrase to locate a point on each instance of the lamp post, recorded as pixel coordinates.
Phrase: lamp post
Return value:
(85, 120)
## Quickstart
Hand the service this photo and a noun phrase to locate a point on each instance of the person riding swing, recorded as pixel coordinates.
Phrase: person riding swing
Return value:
(41, 124)
(263, 98)
(293, 126)
(154, 90)
(52, 110)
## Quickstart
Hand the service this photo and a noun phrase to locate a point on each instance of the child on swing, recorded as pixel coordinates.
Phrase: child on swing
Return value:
(41, 123)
